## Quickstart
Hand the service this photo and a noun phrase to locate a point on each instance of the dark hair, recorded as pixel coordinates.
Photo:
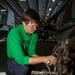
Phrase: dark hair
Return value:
(30, 15)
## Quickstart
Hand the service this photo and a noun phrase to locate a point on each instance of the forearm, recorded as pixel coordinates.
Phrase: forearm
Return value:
(42, 59)
(37, 59)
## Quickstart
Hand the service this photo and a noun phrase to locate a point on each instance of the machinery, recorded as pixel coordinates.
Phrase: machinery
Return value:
(62, 52)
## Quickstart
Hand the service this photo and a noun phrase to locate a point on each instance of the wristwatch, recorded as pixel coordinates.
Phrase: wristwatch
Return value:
(48, 62)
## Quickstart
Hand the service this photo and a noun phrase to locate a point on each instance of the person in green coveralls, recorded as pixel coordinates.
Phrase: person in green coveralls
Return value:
(21, 43)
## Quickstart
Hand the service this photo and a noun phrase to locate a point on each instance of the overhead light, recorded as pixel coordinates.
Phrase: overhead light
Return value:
(22, 0)
(47, 14)
(3, 9)
(53, 0)
(46, 18)
(25, 9)
(50, 9)
(43, 23)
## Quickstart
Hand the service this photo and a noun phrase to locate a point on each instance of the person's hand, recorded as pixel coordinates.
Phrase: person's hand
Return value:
(52, 60)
